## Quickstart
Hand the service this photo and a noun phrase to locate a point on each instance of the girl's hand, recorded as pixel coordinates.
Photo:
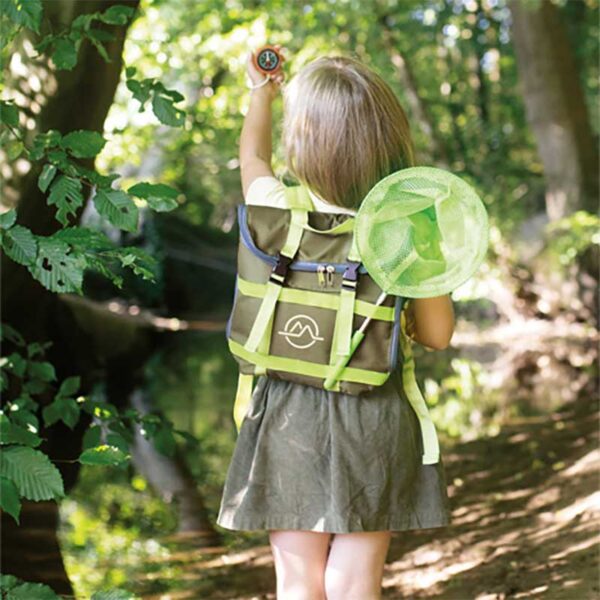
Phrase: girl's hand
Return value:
(272, 87)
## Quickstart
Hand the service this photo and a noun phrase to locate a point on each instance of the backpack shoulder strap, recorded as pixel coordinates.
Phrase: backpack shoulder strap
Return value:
(297, 196)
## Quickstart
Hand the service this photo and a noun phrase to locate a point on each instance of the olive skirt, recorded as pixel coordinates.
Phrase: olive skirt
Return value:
(310, 459)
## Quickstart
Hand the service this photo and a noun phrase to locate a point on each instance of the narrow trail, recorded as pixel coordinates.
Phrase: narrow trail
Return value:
(526, 516)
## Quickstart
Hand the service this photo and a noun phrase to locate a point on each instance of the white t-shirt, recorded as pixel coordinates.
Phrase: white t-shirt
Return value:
(269, 191)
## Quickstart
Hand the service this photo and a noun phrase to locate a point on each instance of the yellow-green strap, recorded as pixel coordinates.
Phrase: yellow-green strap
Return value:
(297, 196)
(318, 299)
(242, 399)
(431, 448)
(342, 334)
(261, 322)
(298, 220)
(304, 367)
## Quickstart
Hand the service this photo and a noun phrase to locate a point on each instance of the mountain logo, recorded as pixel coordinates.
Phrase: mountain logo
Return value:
(301, 331)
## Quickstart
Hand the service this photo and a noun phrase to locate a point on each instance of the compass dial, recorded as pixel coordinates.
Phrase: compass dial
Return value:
(268, 60)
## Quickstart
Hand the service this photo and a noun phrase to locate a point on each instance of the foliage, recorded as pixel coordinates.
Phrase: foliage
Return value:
(109, 526)
(58, 262)
(572, 235)
(15, 589)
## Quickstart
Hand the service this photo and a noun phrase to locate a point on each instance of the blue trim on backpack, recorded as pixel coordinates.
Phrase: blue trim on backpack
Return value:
(235, 295)
(396, 331)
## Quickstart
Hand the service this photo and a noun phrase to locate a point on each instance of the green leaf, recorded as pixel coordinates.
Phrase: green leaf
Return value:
(41, 370)
(64, 55)
(69, 386)
(118, 208)
(46, 176)
(117, 15)
(165, 112)
(83, 22)
(65, 193)
(11, 433)
(141, 90)
(8, 218)
(9, 114)
(130, 72)
(113, 595)
(27, 13)
(146, 190)
(8, 332)
(56, 270)
(118, 441)
(25, 418)
(32, 591)
(9, 498)
(162, 204)
(83, 238)
(14, 149)
(103, 455)
(92, 437)
(160, 197)
(16, 364)
(101, 35)
(164, 441)
(20, 244)
(8, 581)
(83, 143)
(60, 158)
(34, 475)
(62, 409)
(139, 261)
(36, 348)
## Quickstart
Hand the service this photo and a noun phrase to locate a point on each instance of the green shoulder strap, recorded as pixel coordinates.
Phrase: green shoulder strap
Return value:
(297, 196)
(341, 344)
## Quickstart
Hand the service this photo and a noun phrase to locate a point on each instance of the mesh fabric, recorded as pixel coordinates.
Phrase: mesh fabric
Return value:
(421, 232)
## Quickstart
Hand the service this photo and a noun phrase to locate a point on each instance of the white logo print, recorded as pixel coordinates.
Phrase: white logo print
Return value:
(301, 331)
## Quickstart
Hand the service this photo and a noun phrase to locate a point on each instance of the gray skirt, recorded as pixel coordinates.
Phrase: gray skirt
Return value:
(310, 459)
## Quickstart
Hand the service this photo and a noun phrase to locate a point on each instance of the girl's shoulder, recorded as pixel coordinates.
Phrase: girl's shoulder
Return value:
(266, 191)
(269, 191)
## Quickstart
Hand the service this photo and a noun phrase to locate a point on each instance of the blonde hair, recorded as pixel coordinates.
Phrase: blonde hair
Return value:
(343, 129)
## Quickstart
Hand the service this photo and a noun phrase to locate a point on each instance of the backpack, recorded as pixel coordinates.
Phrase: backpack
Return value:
(300, 293)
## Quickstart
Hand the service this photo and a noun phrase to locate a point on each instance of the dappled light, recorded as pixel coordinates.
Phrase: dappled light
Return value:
(121, 126)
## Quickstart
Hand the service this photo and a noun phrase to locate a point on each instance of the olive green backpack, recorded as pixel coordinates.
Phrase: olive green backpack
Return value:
(301, 291)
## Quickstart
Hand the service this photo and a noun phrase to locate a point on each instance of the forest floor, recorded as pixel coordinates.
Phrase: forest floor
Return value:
(525, 524)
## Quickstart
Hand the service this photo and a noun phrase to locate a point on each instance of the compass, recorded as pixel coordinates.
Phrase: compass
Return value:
(267, 60)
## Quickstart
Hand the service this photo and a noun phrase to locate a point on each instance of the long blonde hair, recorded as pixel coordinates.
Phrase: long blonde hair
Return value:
(343, 129)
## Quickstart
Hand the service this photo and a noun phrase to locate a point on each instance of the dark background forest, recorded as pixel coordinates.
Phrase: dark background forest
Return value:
(132, 303)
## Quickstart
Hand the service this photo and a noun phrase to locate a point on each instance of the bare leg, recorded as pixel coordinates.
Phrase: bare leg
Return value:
(300, 558)
(354, 569)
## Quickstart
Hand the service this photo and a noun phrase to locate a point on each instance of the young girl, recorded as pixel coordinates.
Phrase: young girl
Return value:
(331, 475)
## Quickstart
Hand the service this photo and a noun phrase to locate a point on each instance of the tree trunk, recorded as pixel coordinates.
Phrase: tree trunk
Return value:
(556, 108)
(437, 150)
(170, 477)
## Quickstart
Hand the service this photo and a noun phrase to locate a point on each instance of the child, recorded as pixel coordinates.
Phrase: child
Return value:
(331, 475)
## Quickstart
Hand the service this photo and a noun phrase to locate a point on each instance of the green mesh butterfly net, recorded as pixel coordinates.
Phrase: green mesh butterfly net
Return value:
(421, 232)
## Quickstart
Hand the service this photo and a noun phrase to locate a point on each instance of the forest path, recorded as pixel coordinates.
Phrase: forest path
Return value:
(525, 521)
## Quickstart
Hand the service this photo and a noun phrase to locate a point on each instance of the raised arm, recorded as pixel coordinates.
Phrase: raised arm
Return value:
(255, 139)
(430, 321)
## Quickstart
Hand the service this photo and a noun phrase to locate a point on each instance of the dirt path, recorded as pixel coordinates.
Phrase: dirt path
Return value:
(526, 516)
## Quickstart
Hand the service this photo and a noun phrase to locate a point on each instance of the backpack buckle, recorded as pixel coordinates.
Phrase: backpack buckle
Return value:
(350, 277)
(280, 268)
